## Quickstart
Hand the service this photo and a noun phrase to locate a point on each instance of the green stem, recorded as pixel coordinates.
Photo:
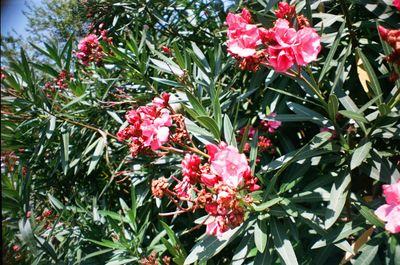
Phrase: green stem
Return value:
(349, 22)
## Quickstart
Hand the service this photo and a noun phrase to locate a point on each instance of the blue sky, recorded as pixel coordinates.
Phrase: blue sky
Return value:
(12, 17)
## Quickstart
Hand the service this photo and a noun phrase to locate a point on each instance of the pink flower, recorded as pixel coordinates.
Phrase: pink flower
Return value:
(383, 32)
(161, 102)
(396, 3)
(191, 167)
(89, 50)
(243, 37)
(280, 59)
(271, 125)
(289, 46)
(149, 126)
(281, 56)
(390, 212)
(244, 46)
(208, 178)
(217, 226)
(16, 248)
(309, 45)
(183, 188)
(228, 163)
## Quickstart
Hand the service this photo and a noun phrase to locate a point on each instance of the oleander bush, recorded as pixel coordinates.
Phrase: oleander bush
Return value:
(206, 132)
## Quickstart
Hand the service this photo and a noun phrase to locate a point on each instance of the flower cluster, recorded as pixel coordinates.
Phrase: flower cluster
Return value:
(60, 82)
(148, 126)
(266, 128)
(2, 73)
(90, 50)
(392, 37)
(153, 260)
(279, 47)
(390, 212)
(220, 187)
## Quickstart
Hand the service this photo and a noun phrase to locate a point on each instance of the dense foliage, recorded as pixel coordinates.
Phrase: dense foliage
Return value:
(103, 134)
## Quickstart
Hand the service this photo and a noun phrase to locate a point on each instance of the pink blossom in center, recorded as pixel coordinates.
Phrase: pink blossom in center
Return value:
(228, 163)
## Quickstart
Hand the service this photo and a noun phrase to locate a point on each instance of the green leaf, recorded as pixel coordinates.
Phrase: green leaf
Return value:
(167, 82)
(329, 57)
(166, 67)
(264, 258)
(51, 126)
(360, 153)
(196, 104)
(243, 249)
(333, 106)
(369, 251)
(267, 204)
(337, 199)
(353, 115)
(217, 109)
(97, 154)
(338, 233)
(201, 56)
(260, 235)
(115, 116)
(371, 79)
(370, 216)
(55, 202)
(209, 246)
(253, 151)
(313, 115)
(209, 124)
(108, 244)
(229, 133)
(201, 134)
(65, 149)
(282, 243)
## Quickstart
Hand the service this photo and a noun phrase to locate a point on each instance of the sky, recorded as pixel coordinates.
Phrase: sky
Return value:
(12, 17)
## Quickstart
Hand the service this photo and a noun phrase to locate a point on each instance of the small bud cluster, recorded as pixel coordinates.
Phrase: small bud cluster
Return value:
(291, 41)
(59, 83)
(153, 260)
(266, 128)
(2, 74)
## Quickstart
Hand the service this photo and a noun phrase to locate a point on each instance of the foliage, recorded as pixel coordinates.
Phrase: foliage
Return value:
(73, 194)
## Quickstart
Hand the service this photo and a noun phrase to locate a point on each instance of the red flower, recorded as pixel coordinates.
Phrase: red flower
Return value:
(16, 248)
(396, 3)
(191, 167)
(285, 11)
(166, 50)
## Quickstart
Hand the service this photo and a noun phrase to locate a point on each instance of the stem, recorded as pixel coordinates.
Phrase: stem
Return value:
(349, 23)
(195, 150)
(395, 99)
(87, 126)
(313, 88)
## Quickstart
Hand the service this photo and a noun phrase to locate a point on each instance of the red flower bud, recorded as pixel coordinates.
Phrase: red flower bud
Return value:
(16, 248)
